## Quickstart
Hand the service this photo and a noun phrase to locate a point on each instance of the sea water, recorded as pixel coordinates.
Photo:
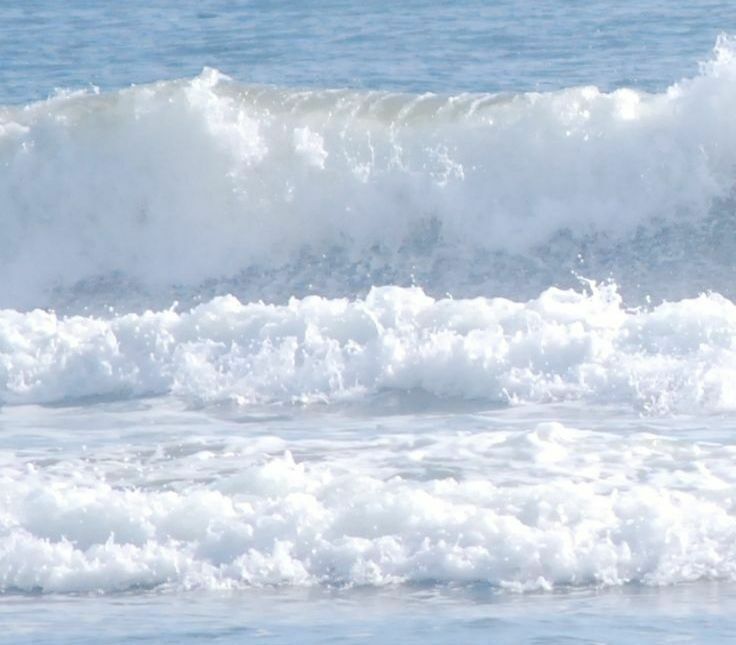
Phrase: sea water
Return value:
(335, 321)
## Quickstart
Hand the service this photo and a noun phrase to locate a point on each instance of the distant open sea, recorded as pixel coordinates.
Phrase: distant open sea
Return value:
(367, 321)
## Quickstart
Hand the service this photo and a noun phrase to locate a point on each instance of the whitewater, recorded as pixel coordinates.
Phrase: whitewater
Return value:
(203, 187)
(294, 340)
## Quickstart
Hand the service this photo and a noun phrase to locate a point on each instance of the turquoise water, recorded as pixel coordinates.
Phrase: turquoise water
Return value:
(367, 321)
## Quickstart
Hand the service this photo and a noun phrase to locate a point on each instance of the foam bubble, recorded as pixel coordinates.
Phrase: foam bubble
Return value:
(524, 510)
(181, 183)
(564, 345)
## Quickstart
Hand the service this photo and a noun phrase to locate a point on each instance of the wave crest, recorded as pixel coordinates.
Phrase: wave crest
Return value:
(186, 183)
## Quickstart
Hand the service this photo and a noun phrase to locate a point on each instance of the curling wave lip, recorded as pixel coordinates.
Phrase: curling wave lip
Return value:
(123, 186)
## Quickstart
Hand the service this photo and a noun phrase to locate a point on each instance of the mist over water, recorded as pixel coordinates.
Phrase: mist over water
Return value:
(168, 195)
(190, 189)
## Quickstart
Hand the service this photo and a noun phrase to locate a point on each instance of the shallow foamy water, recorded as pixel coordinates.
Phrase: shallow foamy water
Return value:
(399, 322)
(338, 525)
(701, 612)
(145, 497)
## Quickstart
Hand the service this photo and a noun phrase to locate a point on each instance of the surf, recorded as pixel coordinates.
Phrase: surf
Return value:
(208, 186)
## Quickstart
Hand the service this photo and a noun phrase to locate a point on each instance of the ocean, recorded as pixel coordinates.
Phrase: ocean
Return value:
(354, 322)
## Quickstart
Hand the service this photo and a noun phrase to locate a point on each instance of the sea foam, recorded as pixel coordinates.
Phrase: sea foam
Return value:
(569, 345)
(532, 510)
(188, 182)
(272, 249)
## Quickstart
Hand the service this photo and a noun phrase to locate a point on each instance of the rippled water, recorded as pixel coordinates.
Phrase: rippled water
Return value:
(412, 46)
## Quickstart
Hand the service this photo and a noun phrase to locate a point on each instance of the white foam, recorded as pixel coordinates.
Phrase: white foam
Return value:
(526, 510)
(563, 345)
(181, 182)
(180, 185)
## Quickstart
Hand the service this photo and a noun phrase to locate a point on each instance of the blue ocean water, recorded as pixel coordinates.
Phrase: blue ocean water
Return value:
(335, 321)
(467, 46)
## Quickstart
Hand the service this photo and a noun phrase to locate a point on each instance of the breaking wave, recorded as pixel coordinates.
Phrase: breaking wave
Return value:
(208, 186)
(551, 506)
(564, 345)
(215, 245)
